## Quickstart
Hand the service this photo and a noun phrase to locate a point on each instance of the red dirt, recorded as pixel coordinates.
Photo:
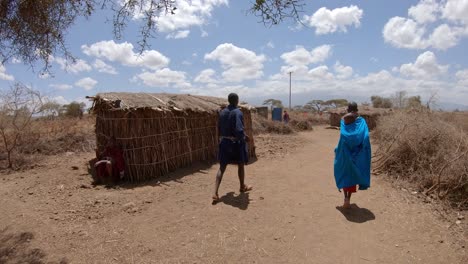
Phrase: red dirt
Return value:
(289, 217)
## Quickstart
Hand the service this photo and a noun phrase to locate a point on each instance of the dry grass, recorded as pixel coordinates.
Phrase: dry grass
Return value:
(52, 137)
(261, 125)
(312, 118)
(299, 121)
(459, 119)
(427, 151)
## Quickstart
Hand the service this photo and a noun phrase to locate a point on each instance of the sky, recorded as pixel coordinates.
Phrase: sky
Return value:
(341, 49)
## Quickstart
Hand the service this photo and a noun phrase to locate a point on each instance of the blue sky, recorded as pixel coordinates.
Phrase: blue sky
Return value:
(344, 49)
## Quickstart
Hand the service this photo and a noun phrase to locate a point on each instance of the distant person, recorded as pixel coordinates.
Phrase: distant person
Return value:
(111, 164)
(352, 155)
(286, 117)
(233, 144)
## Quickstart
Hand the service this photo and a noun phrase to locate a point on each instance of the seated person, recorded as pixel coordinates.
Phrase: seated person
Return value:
(110, 165)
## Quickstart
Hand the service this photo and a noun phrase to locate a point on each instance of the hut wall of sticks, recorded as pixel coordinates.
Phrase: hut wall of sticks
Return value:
(160, 133)
(371, 115)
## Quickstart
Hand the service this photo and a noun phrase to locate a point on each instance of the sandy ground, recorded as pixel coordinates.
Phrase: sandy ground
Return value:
(52, 214)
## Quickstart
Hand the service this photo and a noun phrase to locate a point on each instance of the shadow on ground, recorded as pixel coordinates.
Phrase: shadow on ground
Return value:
(174, 176)
(15, 248)
(240, 201)
(356, 214)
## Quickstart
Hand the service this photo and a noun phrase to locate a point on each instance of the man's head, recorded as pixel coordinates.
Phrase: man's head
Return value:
(233, 99)
(352, 107)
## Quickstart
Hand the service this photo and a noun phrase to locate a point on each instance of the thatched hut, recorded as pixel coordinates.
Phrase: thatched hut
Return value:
(370, 114)
(160, 133)
(262, 111)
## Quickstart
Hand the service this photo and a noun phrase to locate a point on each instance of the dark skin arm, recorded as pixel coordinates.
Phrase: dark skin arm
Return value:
(350, 118)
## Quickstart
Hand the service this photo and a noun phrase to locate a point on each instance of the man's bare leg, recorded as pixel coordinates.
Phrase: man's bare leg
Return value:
(241, 174)
(219, 178)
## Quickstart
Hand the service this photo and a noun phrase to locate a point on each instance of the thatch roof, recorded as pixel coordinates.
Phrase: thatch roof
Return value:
(161, 101)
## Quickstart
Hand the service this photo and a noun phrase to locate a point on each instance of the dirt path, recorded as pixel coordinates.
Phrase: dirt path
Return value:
(290, 217)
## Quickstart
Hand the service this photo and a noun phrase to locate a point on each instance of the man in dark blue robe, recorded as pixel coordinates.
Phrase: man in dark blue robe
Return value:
(233, 143)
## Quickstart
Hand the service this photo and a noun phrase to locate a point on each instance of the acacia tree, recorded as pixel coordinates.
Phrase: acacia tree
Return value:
(18, 105)
(381, 102)
(35, 30)
(273, 103)
(315, 105)
(335, 103)
(51, 109)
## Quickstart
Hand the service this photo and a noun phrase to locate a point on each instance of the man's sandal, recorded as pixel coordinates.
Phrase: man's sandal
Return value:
(246, 188)
(215, 199)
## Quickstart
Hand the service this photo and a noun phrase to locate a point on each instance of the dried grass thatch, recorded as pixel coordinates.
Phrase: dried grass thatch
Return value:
(160, 133)
(371, 115)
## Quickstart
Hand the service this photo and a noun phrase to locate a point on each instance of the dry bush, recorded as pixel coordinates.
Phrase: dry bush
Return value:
(261, 125)
(52, 137)
(419, 146)
(458, 119)
(311, 118)
(300, 125)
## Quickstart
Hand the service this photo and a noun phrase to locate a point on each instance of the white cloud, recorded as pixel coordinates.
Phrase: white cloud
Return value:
(189, 13)
(186, 62)
(101, 66)
(4, 75)
(164, 78)
(60, 100)
(456, 10)
(404, 33)
(320, 72)
(61, 86)
(425, 11)
(462, 77)
(412, 33)
(445, 37)
(343, 72)
(204, 34)
(86, 83)
(44, 75)
(425, 67)
(74, 67)
(239, 64)
(124, 54)
(178, 35)
(206, 76)
(16, 61)
(270, 45)
(329, 21)
(301, 56)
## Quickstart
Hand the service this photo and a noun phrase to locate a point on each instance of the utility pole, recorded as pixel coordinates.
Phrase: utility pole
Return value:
(290, 91)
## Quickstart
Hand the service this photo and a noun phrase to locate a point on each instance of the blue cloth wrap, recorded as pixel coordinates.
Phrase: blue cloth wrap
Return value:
(231, 124)
(353, 155)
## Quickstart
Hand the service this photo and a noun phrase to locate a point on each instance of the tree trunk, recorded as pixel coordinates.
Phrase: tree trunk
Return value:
(10, 163)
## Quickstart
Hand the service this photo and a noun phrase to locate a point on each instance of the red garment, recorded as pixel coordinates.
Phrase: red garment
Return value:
(351, 189)
(118, 164)
(117, 158)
